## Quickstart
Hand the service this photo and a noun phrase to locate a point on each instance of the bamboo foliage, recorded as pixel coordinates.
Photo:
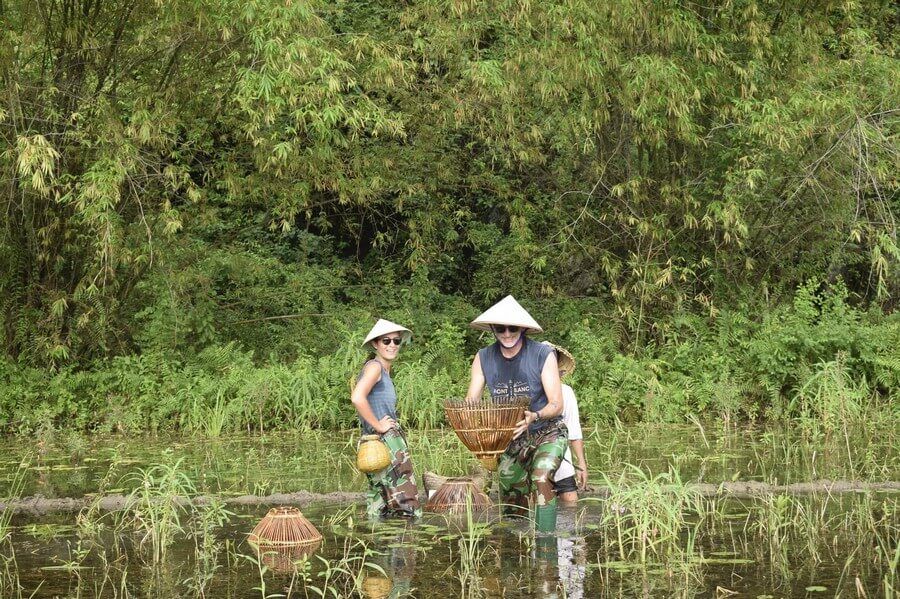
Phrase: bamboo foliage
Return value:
(658, 156)
(115, 113)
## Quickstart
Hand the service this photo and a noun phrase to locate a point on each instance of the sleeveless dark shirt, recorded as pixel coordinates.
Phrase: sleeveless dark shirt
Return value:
(517, 376)
(382, 399)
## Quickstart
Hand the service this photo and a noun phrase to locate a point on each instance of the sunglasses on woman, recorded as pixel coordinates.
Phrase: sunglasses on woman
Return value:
(387, 340)
(500, 329)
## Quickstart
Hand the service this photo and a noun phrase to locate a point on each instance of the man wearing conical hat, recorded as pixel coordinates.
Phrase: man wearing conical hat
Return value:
(515, 366)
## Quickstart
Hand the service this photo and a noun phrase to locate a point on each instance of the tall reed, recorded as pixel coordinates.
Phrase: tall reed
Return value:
(645, 515)
(157, 504)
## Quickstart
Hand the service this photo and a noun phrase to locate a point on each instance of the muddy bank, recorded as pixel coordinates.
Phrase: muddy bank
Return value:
(39, 505)
(750, 489)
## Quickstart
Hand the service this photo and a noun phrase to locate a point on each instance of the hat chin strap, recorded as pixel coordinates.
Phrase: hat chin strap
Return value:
(520, 340)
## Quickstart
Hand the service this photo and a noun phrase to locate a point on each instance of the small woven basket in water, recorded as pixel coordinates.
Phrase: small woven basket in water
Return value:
(284, 527)
(284, 536)
(456, 496)
(486, 426)
(372, 454)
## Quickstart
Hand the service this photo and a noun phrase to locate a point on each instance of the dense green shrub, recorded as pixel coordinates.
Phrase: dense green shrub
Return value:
(205, 201)
(817, 358)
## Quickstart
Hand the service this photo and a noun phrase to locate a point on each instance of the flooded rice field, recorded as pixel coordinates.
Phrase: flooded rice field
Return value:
(661, 520)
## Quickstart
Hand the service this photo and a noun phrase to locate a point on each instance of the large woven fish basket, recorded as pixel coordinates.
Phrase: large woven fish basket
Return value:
(456, 496)
(485, 426)
(284, 536)
(284, 527)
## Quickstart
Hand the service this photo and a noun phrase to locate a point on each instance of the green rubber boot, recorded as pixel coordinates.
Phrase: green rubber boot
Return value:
(545, 517)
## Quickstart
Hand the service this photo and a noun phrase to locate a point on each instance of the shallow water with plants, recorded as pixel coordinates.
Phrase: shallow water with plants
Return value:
(648, 530)
(71, 464)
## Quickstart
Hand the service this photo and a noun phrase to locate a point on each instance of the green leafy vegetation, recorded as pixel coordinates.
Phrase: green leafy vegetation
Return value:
(206, 202)
(819, 359)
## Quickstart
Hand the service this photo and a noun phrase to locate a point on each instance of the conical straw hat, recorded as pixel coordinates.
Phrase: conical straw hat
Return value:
(509, 312)
(564, 360)
(386, 327)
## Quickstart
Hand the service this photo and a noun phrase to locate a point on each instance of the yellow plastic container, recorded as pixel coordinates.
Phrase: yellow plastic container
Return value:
(372, 454)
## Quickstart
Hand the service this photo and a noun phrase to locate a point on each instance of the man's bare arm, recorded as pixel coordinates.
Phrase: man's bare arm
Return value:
(552, 387)
(476, 381)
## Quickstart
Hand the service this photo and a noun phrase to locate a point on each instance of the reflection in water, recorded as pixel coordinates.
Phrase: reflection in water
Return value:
(283, 560)
(399, 565)
(426, 560)
(572, 560)
(377, 586)
(560, 565)
(754, 546)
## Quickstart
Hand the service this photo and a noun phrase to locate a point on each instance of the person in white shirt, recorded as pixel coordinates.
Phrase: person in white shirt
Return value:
(568, 480)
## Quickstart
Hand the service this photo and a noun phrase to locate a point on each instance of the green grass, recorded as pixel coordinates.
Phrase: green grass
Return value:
(644, 515)
(155, 507)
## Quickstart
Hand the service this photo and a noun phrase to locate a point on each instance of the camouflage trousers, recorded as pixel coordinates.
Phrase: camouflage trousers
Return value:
(393, 491)
(527, 468)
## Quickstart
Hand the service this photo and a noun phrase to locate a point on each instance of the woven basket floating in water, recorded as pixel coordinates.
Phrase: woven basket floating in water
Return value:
(486, 426)
(454, 495)
(372, 455)
(284, 527)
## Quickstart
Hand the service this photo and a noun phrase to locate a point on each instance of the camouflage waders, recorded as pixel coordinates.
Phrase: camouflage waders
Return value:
(393, 491)
(526, 473)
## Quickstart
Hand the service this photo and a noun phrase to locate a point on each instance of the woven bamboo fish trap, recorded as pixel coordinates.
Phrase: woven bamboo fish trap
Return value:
(486, 427)
(478, 475)
(285, 527)
(456, 496)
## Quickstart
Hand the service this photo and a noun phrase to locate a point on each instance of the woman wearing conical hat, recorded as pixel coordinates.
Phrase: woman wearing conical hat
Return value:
(515, 366)
(392, 491)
